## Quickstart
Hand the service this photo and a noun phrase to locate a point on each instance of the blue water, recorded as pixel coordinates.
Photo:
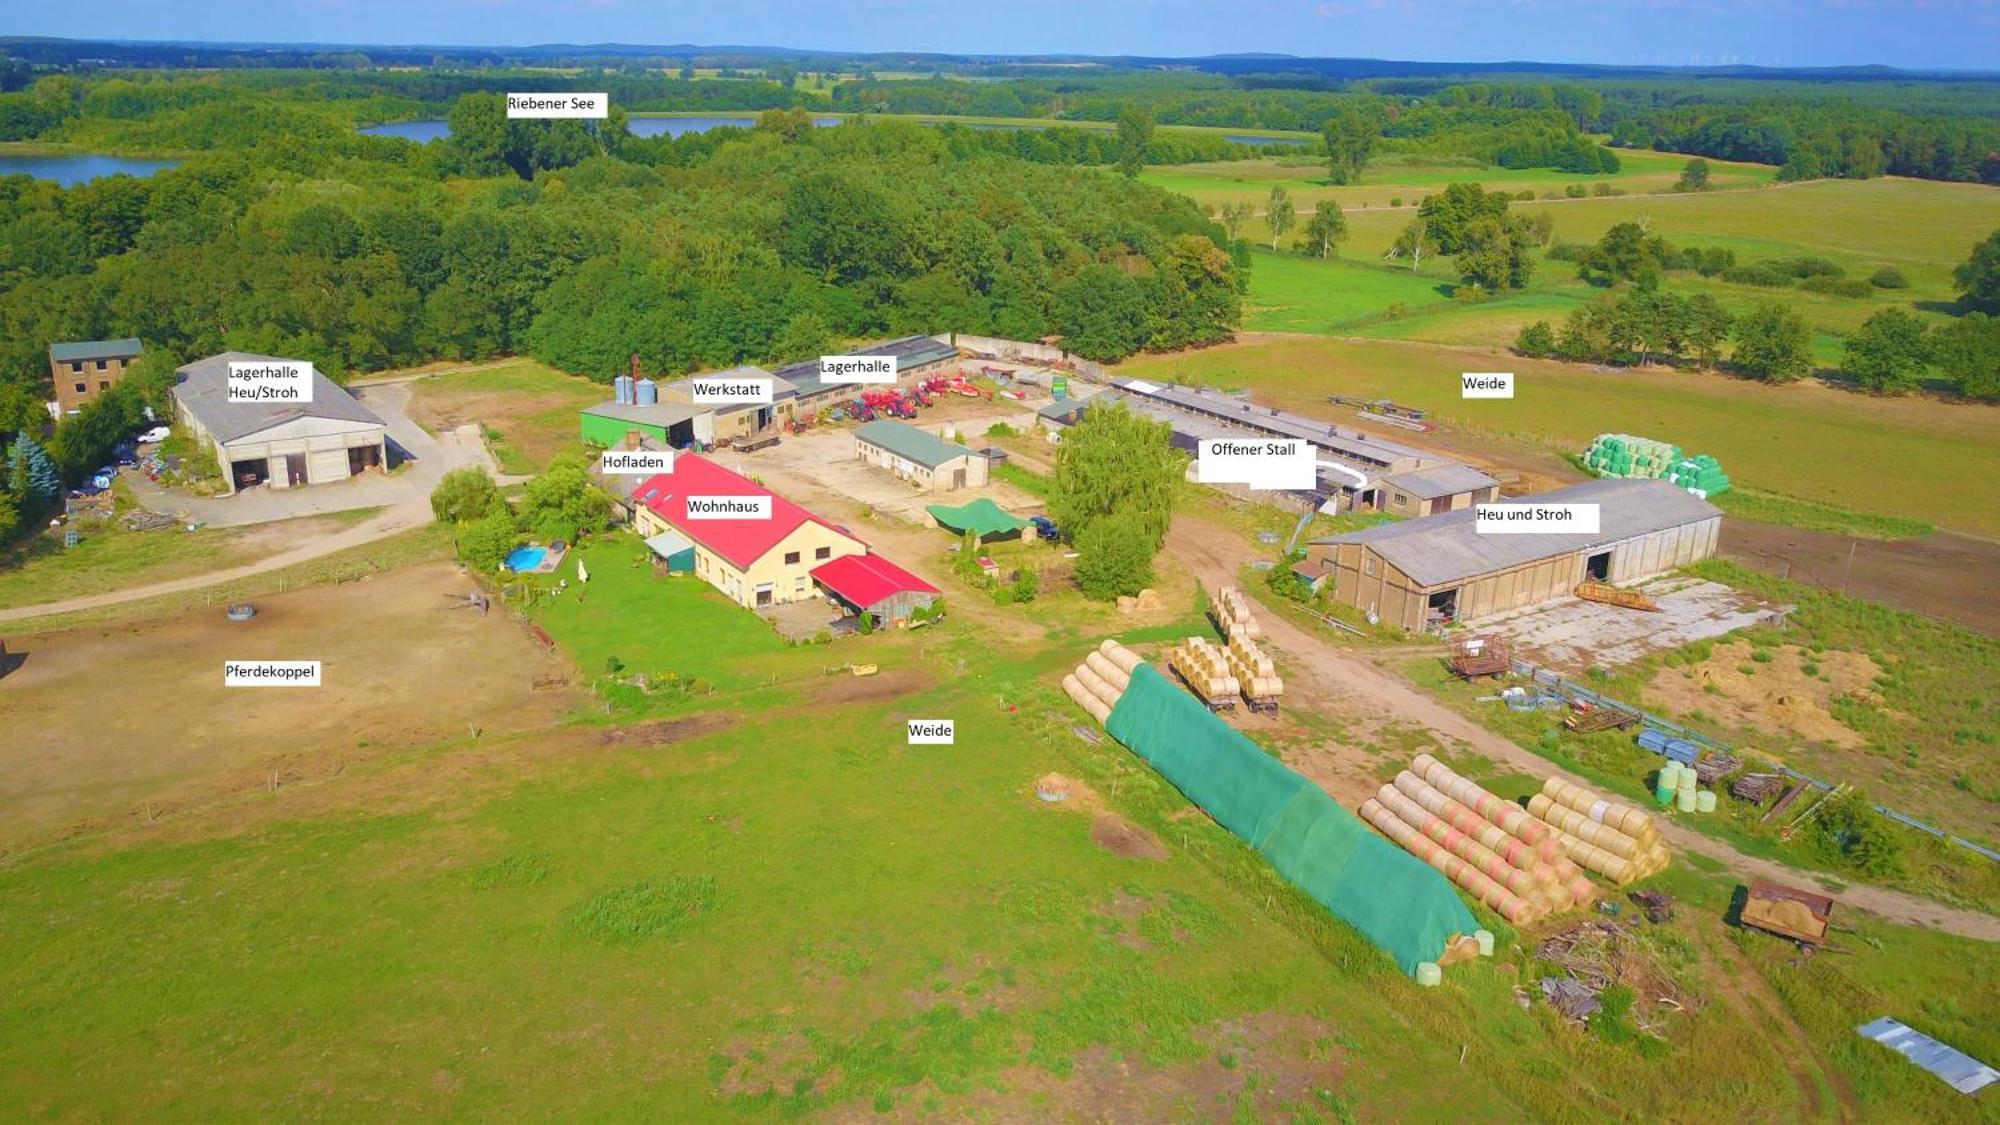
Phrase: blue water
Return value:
(525, 558)
(421, 131)
(76, 167)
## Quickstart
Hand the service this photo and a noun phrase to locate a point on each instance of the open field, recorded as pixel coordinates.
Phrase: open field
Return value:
(1805, 440)
(1409, 177)
(396, 675)
(768, 905)
(528, 410)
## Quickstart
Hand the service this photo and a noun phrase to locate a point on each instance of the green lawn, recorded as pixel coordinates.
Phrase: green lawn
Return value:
(1806, 441)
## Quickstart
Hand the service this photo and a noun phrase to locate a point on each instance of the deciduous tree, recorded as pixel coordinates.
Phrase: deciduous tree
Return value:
(1773, 343)
(1280, 214)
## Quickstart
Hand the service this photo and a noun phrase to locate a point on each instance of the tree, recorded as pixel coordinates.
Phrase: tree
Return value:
(464, 495)
(1451, 212)
(1544, 227)
(485, 544)
(1773, 343)
(1117, 461)
(1493, 253)
(1708, 326)
(1536, 340)
(1413, 242)
(1968, 351)
(1694, 176)
(1101, 313)
(1280, 214)
(1135, 135)
(1978, 278)
(804, 336)
(1888, 352)
(1113, 558)
(32, 477)
(562, 503)
(1350, 136)
(1235, 215)
(1325, 230)
(88, 438)
(1624, 253)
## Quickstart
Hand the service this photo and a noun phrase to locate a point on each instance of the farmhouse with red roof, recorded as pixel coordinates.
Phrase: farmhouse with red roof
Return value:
(773, 556)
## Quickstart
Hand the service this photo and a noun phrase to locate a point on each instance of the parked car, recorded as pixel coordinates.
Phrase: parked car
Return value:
(157, 433)
(1046, 529)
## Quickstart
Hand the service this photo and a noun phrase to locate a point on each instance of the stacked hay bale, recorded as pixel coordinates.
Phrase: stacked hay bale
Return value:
(1616, 841)
(1487, 846)
(1231, 614)
(1098, 682)
(1626, 455)
(1255, 673)
(1205, 670)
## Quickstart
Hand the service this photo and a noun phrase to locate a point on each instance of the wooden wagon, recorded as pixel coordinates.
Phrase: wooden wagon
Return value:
(1482, 655)
(1788, 912)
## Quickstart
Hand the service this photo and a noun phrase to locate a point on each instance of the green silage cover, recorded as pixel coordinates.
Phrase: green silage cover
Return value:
(1393, 898)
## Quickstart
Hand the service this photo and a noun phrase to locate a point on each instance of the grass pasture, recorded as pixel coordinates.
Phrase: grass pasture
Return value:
(1806, 440)
(766, 911)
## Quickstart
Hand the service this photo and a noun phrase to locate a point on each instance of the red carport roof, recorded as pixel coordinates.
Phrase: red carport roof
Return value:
(867, 580)
(742, 542)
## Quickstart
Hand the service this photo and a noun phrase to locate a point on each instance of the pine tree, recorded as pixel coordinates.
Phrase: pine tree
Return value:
(31, 473)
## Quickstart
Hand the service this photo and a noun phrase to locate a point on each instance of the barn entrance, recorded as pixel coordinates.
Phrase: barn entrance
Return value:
(1598, 567)
(251, 473)
(1442, 607)
(362, 458)
(295, 469)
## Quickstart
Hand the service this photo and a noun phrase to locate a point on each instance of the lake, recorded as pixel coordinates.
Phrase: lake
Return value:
(421, 131)
(76, 167)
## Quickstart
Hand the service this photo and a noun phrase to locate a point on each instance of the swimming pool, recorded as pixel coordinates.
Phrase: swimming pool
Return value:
(525, 558)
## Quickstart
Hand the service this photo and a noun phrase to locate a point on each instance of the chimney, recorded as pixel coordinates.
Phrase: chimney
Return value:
(635, 367)
(633, 438)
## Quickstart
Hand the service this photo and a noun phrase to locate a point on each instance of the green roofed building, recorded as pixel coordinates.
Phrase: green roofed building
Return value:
(982, 517)
(920, 457)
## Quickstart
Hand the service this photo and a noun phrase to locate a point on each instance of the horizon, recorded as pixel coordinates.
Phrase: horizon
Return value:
(1774, 34)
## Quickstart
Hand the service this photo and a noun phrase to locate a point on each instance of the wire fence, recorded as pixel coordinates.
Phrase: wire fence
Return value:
(1570, 689)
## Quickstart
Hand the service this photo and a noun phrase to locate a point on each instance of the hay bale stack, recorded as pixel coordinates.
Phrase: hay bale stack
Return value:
(1624, 818)
(1253, 669)
(1204, 668)
(1232, 616)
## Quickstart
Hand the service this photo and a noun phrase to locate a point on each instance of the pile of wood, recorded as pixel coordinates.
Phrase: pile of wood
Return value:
(1100, 681)
(1255, 674)
(1608, 594)
(1204, 668)
(1482, 655)
(1488, 847)
(1714, 766)
(1757, 787)
(1231, 614)
(1616, 841)
(1584, 719)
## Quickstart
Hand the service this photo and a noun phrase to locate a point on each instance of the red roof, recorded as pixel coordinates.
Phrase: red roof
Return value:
(866, 580)
(742, 542)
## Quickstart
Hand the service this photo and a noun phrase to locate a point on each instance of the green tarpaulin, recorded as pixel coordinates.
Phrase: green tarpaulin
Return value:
(1393, 898)
(982, 517)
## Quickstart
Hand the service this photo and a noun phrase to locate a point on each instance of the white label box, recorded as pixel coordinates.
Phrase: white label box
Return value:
(729, 507)
(1534, 519)
(270, 381)
(727, 392)
(270, 673)
(1267, 463)
(635, 462)
(932, 732)
(1486, 384)
(536, 106)
(857, 369)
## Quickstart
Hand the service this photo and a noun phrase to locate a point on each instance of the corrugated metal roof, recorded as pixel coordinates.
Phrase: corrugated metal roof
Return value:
(1959, 1070)
(662, 414)
(1440, 480)
(1436, 550)
(1367, 449)
(910, 443)
(95, 349)
(910, 351)
(781, 388)
(669, 543)
(204, 391)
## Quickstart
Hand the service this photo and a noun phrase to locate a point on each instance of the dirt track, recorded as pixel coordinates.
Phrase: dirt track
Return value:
(1354, 686)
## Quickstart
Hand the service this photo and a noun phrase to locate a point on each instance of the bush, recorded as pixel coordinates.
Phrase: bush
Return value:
(464, 495)
(1537, 340)
(1000, 429)
(1835, 286)
(1568, 252)
(1766, 274)
(1576, 191)
(1027, 583)
(484, 545)
(1395, 201)
(1525, 195)
(1889, 277)
(1809, 266)
(1849, 832)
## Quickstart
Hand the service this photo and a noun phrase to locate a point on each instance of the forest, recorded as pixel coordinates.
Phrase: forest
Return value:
(291, 234)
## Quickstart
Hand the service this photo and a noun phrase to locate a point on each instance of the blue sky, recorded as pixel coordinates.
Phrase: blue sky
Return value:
(1909, 33)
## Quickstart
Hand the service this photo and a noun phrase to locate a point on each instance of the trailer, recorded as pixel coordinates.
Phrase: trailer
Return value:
(1587, 719)
(1787, 912)
(1481, 655)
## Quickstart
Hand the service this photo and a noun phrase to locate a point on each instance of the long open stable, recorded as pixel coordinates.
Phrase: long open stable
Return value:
(1440, 568)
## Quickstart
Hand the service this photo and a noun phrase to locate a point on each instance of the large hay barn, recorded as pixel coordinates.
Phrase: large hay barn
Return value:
(1420, 572)
(279, 444)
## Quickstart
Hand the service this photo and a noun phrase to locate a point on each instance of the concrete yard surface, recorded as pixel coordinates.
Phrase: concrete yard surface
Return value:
(1572, 635)
(829, 459)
